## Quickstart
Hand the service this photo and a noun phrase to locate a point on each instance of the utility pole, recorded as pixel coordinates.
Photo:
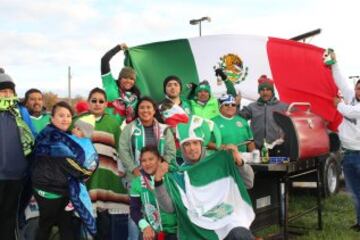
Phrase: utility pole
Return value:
(69, 84)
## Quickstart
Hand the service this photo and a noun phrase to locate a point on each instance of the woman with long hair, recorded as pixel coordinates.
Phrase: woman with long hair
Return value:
(145, 130)
(122, 92)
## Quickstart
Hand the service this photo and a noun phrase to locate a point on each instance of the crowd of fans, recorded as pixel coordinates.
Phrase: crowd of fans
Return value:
(82, 175)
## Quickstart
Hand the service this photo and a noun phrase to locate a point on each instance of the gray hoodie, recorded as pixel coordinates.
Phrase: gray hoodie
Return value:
(262, 121)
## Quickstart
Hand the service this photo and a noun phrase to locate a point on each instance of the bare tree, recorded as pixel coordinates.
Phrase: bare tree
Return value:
(50, 99)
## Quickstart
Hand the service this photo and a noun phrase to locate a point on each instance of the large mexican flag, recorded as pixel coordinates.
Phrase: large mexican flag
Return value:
(297, 68)
(210, 198)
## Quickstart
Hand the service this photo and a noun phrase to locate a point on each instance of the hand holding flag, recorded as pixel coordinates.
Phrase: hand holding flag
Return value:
(329, 57)
(123, 46)
(148, 233)
(161, 171)
(220, 73)
(336, 100)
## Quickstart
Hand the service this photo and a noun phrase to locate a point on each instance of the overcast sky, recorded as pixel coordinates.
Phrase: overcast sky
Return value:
(40, 39)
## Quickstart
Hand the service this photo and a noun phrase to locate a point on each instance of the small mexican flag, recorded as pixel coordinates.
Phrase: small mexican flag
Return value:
(175, 115)
(210, 198)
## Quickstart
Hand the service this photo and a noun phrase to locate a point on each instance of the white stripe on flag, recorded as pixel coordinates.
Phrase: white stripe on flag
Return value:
(251, 49)
(199, 200)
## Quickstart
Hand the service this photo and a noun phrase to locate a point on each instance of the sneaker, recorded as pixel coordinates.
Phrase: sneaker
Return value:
(69, 207)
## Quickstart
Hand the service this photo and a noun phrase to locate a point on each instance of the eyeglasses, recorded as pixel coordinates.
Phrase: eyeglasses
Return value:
(97, 100)
(229, 105)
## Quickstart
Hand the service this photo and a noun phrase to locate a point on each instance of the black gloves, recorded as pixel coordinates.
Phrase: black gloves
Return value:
(219, 72)
(191, 85)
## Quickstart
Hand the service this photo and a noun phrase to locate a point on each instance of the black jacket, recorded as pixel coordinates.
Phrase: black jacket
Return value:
(49, 175)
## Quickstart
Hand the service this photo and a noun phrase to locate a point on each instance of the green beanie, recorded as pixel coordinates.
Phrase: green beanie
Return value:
(265, 82)
(203, 87)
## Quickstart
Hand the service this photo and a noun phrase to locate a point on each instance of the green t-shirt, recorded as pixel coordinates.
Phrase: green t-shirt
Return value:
(234, 130)
(140, 188)
(40, 122)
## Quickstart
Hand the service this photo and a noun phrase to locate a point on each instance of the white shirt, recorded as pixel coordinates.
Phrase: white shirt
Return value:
(349, 129)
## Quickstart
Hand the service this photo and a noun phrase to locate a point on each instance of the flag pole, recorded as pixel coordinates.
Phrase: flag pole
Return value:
(69, 84)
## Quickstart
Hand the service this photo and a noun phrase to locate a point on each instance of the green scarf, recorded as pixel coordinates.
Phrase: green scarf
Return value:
(27, 139)
(138, 134)
(151, 208)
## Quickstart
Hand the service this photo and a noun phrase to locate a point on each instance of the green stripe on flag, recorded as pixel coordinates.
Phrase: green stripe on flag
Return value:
(154, 62)
(186, 229)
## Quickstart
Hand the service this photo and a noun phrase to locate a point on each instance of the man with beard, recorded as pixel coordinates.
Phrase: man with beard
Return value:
(260, 113)
(29, 209)
(172, 88)
(178, 107)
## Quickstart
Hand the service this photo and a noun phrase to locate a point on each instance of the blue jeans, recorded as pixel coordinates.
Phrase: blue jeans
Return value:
(28, 232)
(112, 226)
(351, 168)
(133, 230)
(119, 226)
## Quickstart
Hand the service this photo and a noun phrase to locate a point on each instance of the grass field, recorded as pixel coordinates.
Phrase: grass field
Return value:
(338, 216)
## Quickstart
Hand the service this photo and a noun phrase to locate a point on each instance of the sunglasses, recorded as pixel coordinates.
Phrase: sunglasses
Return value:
(96, 100)
(229, 105)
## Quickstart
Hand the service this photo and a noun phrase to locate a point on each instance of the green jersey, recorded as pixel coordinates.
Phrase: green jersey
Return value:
(143, 187)
(40, 122)
(234, 130)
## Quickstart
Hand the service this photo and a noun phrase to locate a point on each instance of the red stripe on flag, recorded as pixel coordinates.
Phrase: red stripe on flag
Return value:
(301, 76)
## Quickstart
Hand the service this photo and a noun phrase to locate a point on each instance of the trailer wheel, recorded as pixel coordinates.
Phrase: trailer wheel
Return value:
(331, 176)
